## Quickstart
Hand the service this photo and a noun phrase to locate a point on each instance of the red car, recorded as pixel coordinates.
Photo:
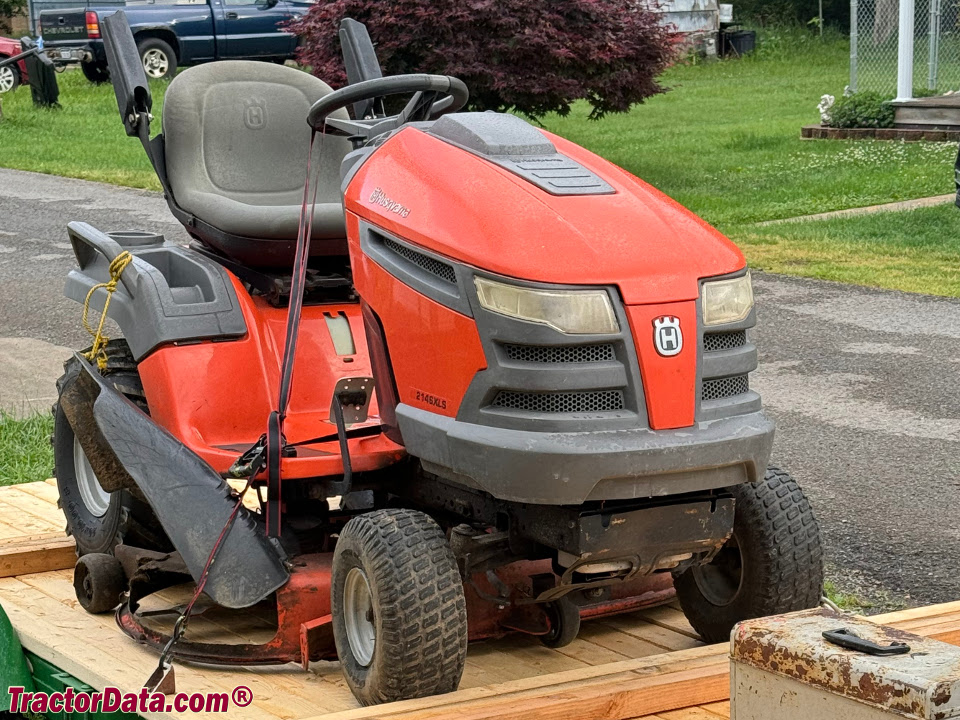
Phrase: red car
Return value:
(11, 76)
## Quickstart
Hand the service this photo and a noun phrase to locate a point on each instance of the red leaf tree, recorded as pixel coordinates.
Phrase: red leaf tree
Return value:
(529, 56)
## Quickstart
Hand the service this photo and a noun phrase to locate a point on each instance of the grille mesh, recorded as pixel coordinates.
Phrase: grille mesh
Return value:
(441, 269)
(560, 402)
(724, 341)
(560, 353)
(725, 387)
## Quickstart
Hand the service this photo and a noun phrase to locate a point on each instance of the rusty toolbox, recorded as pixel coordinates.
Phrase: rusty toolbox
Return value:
(820, 665)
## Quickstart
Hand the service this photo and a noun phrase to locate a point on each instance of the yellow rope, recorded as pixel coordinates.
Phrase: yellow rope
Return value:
(97, 352)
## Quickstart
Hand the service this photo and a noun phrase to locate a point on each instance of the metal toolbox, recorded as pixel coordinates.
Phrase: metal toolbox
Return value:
(783, 668)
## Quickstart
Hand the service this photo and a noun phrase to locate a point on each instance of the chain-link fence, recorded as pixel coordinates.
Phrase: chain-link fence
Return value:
(874, 38)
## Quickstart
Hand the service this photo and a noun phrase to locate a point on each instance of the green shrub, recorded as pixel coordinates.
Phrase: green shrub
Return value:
(862, 110)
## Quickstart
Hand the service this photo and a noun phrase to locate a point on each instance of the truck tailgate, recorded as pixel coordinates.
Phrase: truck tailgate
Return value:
(67, 25)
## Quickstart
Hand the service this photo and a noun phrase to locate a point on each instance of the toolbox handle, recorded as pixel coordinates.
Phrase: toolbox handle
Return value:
(851, 641)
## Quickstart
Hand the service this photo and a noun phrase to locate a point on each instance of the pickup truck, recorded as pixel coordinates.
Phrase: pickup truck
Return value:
(171, 33)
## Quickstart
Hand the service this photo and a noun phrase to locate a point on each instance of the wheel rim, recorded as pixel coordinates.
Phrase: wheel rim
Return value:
(720, 580)
(358, 616)
(155, 63)
(6, 79)
(95, 498)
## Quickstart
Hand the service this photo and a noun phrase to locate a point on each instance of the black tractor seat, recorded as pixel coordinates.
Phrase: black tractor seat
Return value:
(234, 156)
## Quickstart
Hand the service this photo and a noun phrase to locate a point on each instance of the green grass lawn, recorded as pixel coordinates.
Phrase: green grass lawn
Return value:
(724, 141)
(914, 250)
(25, 452)
(84, 138)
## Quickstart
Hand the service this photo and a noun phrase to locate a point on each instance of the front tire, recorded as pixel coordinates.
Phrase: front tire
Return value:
(399, 613)
(158, 58)
(772, 564)
(99, 520)
(95, 72)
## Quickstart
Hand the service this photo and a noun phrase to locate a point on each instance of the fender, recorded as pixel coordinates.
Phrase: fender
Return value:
(191, 501)
(166, 295)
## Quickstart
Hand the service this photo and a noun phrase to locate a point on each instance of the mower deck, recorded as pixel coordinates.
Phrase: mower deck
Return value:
(646, 663)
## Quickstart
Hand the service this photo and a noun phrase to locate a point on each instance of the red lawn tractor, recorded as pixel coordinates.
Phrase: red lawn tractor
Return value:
(475, 379)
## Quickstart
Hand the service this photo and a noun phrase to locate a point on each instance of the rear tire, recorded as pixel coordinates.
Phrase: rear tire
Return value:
(98, 520)
(95, 72)
(158, 58)
(399, 613)
(9, 78)
(772, 564)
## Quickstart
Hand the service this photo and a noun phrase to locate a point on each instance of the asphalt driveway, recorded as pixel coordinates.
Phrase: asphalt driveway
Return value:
(863, 384)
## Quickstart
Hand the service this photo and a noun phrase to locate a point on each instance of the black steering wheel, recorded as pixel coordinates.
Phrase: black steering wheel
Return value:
(435, 95)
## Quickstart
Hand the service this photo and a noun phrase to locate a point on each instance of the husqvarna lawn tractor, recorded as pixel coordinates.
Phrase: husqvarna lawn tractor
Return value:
(422, 377)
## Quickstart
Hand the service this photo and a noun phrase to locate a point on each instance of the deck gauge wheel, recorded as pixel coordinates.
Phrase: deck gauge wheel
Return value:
(564, 623)
(98, 580)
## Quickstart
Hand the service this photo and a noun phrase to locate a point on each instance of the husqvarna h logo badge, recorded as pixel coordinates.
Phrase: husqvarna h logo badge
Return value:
(667, 335)
(254, 113)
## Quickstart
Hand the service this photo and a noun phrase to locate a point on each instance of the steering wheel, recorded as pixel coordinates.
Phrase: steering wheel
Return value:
(434, 96)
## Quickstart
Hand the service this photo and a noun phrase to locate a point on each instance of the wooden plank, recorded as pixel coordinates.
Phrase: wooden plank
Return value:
(692, 713)
(720, 709)
(620, 642)
(271, 686)
(91, 650)
(37, 556)
(590, 653)
(921, 613)
(626, 669)
(42, 490)
(32, 506)
(625, 695)
(611, 696)
(669, 618)
(655, 634)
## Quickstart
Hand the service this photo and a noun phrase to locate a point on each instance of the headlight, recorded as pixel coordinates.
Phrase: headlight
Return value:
(576, 312)
(727, 301)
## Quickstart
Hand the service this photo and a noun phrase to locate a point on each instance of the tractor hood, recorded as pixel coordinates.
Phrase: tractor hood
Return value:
(607, 228)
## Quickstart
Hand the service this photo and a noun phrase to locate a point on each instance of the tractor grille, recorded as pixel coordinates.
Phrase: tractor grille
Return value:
(435, 267)
(561, 402)
(724, 341)
(560, 353)
(724, 387)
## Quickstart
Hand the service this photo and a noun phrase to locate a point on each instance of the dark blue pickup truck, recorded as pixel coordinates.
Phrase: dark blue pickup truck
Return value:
(171, 33)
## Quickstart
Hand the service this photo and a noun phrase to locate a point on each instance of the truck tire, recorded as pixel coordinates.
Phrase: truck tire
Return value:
(399, 613)
(9, 78)
(772, 564)
(158, 58)
(95, 72)
(97, 520)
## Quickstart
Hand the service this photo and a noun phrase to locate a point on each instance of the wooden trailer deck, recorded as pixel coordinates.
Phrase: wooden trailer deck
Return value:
(643, 664)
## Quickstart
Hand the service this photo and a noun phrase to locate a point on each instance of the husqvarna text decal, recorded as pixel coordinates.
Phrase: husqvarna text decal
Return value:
(378, 198)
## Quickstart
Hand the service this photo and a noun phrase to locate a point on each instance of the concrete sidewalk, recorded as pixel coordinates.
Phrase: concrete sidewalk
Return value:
(868, 210)
(29, 370)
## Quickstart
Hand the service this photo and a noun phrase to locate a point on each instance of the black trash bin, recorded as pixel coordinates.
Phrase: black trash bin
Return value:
(43, 76)
(738, 42)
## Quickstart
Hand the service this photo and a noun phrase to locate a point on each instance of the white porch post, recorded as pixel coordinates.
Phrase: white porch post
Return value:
(905, 52)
